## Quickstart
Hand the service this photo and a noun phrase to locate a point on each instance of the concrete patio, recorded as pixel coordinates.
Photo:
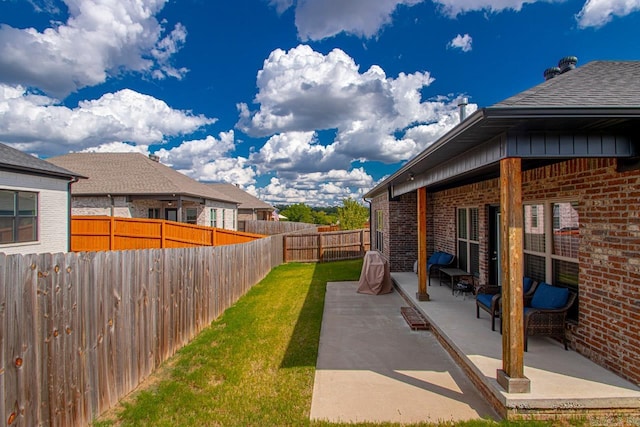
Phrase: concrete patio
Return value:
(563, 383)
(372, 367)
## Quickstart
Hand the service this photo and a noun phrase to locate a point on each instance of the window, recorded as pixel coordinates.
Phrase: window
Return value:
(551, 245)
(18, 216)
(223, 223)
(192, 216)
(379, 239)
(469, 240)
(214, 217)
(154, 213)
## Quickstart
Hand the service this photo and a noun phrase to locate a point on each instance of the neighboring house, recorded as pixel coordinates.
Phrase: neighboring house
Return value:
(544, 184)
(250, 208)
(136, 186)
(34, 204)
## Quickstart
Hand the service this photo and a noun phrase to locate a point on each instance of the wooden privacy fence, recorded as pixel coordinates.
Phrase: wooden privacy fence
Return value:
(103, 233)
(313, 247)
(276, 227)
(78, 331)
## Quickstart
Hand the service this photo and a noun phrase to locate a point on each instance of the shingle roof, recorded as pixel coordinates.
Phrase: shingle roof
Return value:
(132, 174)
(595, 84)
(247, 201)
(10, 158)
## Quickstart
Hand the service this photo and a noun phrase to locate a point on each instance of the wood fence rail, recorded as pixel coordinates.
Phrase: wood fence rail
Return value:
(320, 247)
(104, 233)
(78, 331)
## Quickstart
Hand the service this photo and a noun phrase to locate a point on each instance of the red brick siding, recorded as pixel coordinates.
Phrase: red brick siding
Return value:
(608, 330)
(403, 241)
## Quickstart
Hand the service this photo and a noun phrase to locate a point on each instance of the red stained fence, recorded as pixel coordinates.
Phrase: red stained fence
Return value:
(104, 233)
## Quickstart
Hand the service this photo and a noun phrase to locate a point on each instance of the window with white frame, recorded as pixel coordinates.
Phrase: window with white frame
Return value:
(214, 216)
(468, 239)
(379, 240)
(18, 216)
(551, 244)
(192, 216)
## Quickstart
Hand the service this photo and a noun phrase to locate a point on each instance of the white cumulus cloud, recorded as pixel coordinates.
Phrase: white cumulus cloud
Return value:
(39, 124)
(461, 42)
(302, 91)
(210, 159)
(596, 13)
(316, 189)
(99, 38)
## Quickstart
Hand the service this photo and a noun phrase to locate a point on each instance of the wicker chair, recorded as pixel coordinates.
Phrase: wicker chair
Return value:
(489, 298)
(547, 311)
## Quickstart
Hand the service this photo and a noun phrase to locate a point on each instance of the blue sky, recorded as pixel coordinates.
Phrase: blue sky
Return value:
(305, 101)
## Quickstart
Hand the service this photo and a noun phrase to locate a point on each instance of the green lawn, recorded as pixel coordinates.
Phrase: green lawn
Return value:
(254, 366)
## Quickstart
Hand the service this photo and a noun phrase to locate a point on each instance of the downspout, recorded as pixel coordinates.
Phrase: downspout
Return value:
(370, 223)
(73, 180)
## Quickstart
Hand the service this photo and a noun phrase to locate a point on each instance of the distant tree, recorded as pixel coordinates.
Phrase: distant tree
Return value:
(298, 213)
(352, 215)
(320, 217)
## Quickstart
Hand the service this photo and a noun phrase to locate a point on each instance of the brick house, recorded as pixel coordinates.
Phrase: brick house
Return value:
(544, 184)
(132, 185)
(34, 204)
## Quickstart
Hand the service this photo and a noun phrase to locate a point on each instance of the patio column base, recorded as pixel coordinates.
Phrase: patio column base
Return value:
(513, 385)
(422, 297)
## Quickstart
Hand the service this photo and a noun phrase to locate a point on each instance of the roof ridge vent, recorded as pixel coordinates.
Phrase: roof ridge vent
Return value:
(550, 73)
(567, 63)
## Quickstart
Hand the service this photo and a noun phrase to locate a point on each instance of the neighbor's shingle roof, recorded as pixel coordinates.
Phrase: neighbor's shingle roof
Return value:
(13, 159)
(595, 84)
(247, 201)
(132, 174)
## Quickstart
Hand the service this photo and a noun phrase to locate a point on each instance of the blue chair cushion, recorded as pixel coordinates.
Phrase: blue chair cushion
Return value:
(445, 258)
(484, 299)
(549, 297)
(526, 284)
(433, 259)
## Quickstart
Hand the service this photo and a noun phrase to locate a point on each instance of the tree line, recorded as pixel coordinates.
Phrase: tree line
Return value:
(350, 216)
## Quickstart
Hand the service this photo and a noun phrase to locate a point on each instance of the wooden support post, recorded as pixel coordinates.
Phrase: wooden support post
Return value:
(422, 294)
(511, 376)
(320, 248)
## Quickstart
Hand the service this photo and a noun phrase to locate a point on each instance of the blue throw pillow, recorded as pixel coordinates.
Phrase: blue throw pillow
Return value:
(526, 284)
(549, 297)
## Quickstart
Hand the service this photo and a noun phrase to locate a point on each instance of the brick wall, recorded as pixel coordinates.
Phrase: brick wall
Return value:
(403, 241)
(608, 328)
(442, 207)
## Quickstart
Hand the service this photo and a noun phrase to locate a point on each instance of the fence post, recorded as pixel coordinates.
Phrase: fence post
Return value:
(112, 233)
(163, 234)
(362, 247)
(320, 249)
(284, 247)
